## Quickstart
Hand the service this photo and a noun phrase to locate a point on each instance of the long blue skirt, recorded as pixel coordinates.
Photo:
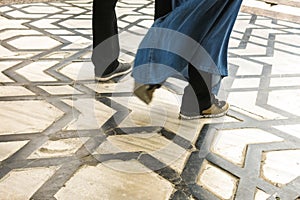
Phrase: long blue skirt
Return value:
(196, 32)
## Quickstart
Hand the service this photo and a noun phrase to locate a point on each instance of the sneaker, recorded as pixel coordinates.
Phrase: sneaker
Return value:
(123, 68)
(217, 109)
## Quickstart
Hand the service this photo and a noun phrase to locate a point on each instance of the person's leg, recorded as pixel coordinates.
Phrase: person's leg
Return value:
(105, 41)
(199, 99)
(162, 7)
(145, 92)
(197, 94)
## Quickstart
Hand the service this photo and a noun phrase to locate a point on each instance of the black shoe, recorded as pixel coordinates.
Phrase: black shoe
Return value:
(217, 109)
(145, 92)
(123, 68)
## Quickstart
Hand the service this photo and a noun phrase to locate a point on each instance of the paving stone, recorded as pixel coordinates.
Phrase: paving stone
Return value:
(24, 181)
(42, 9)
(287, 100)
(58, 148)
(285, 81)
(14, 91)
(290, 129)
(77, 23)
(22, 15)
(249, 104)
(79, 70)
(232, 144)
(246, 83)
(4, 66)
(9, 148)
(159, 147)
(26, 116)
(91, 183)
(217, 181)
(34, 42)
(281, 167)
(93, 114)
(12, 33)
(35, 71)
(60, 90)
(261, 195)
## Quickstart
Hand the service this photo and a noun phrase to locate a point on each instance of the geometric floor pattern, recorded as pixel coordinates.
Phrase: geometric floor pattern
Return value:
(63, 136)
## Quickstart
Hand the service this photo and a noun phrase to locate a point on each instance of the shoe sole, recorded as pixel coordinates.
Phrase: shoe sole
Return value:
(102, 79)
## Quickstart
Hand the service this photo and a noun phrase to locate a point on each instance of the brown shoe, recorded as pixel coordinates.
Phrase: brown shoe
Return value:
(145, 92)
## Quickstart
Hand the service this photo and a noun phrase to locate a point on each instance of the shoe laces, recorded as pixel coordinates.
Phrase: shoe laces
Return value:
(216, 101)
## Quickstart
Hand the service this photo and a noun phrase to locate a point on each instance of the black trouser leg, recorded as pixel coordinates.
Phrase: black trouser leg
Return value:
(104, 23)
(162, 7)
(197, 95)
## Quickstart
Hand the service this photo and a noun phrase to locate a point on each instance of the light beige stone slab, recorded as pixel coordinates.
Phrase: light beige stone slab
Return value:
(45, 23)
(290, 129)
(26, 116)
(285, 81)
(6, 52)
(216, 180)
(265, 32)
(9, 148)
(287, 100)
(261, 195)
(90, 182)
(35, 71)
(23, 183)
(60, 54)
(77, 42)
(79, 70)
(124, 85)
(34, 42)
(154, 144)
(130, 41)
(4, 66)
(42, 9)
(146, 23)
(77, 23)
(7, 91)
(12, 33)
(281, 167)
(5, 8)
(290, 63)
(247, 101)
(20, 15)
(11, 23)
(59, 148)
(93, 114)
(246, 67)
(232, 144)
(246, 83)
(72, 10)
(60, 90)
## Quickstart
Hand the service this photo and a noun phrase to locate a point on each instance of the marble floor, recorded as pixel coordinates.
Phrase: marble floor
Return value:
(65, 136)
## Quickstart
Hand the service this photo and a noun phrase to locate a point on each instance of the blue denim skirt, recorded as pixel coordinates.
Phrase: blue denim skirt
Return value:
(196, 32)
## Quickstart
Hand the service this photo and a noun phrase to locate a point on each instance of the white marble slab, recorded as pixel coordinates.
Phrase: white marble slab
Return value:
(91, 181)
(25, 182)
(7, 91)
(232, 144)
(36, 71)
(26, 116)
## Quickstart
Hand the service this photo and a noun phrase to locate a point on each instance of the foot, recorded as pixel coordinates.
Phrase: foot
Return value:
(145, 92)
(123, 68)
(217, 109)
